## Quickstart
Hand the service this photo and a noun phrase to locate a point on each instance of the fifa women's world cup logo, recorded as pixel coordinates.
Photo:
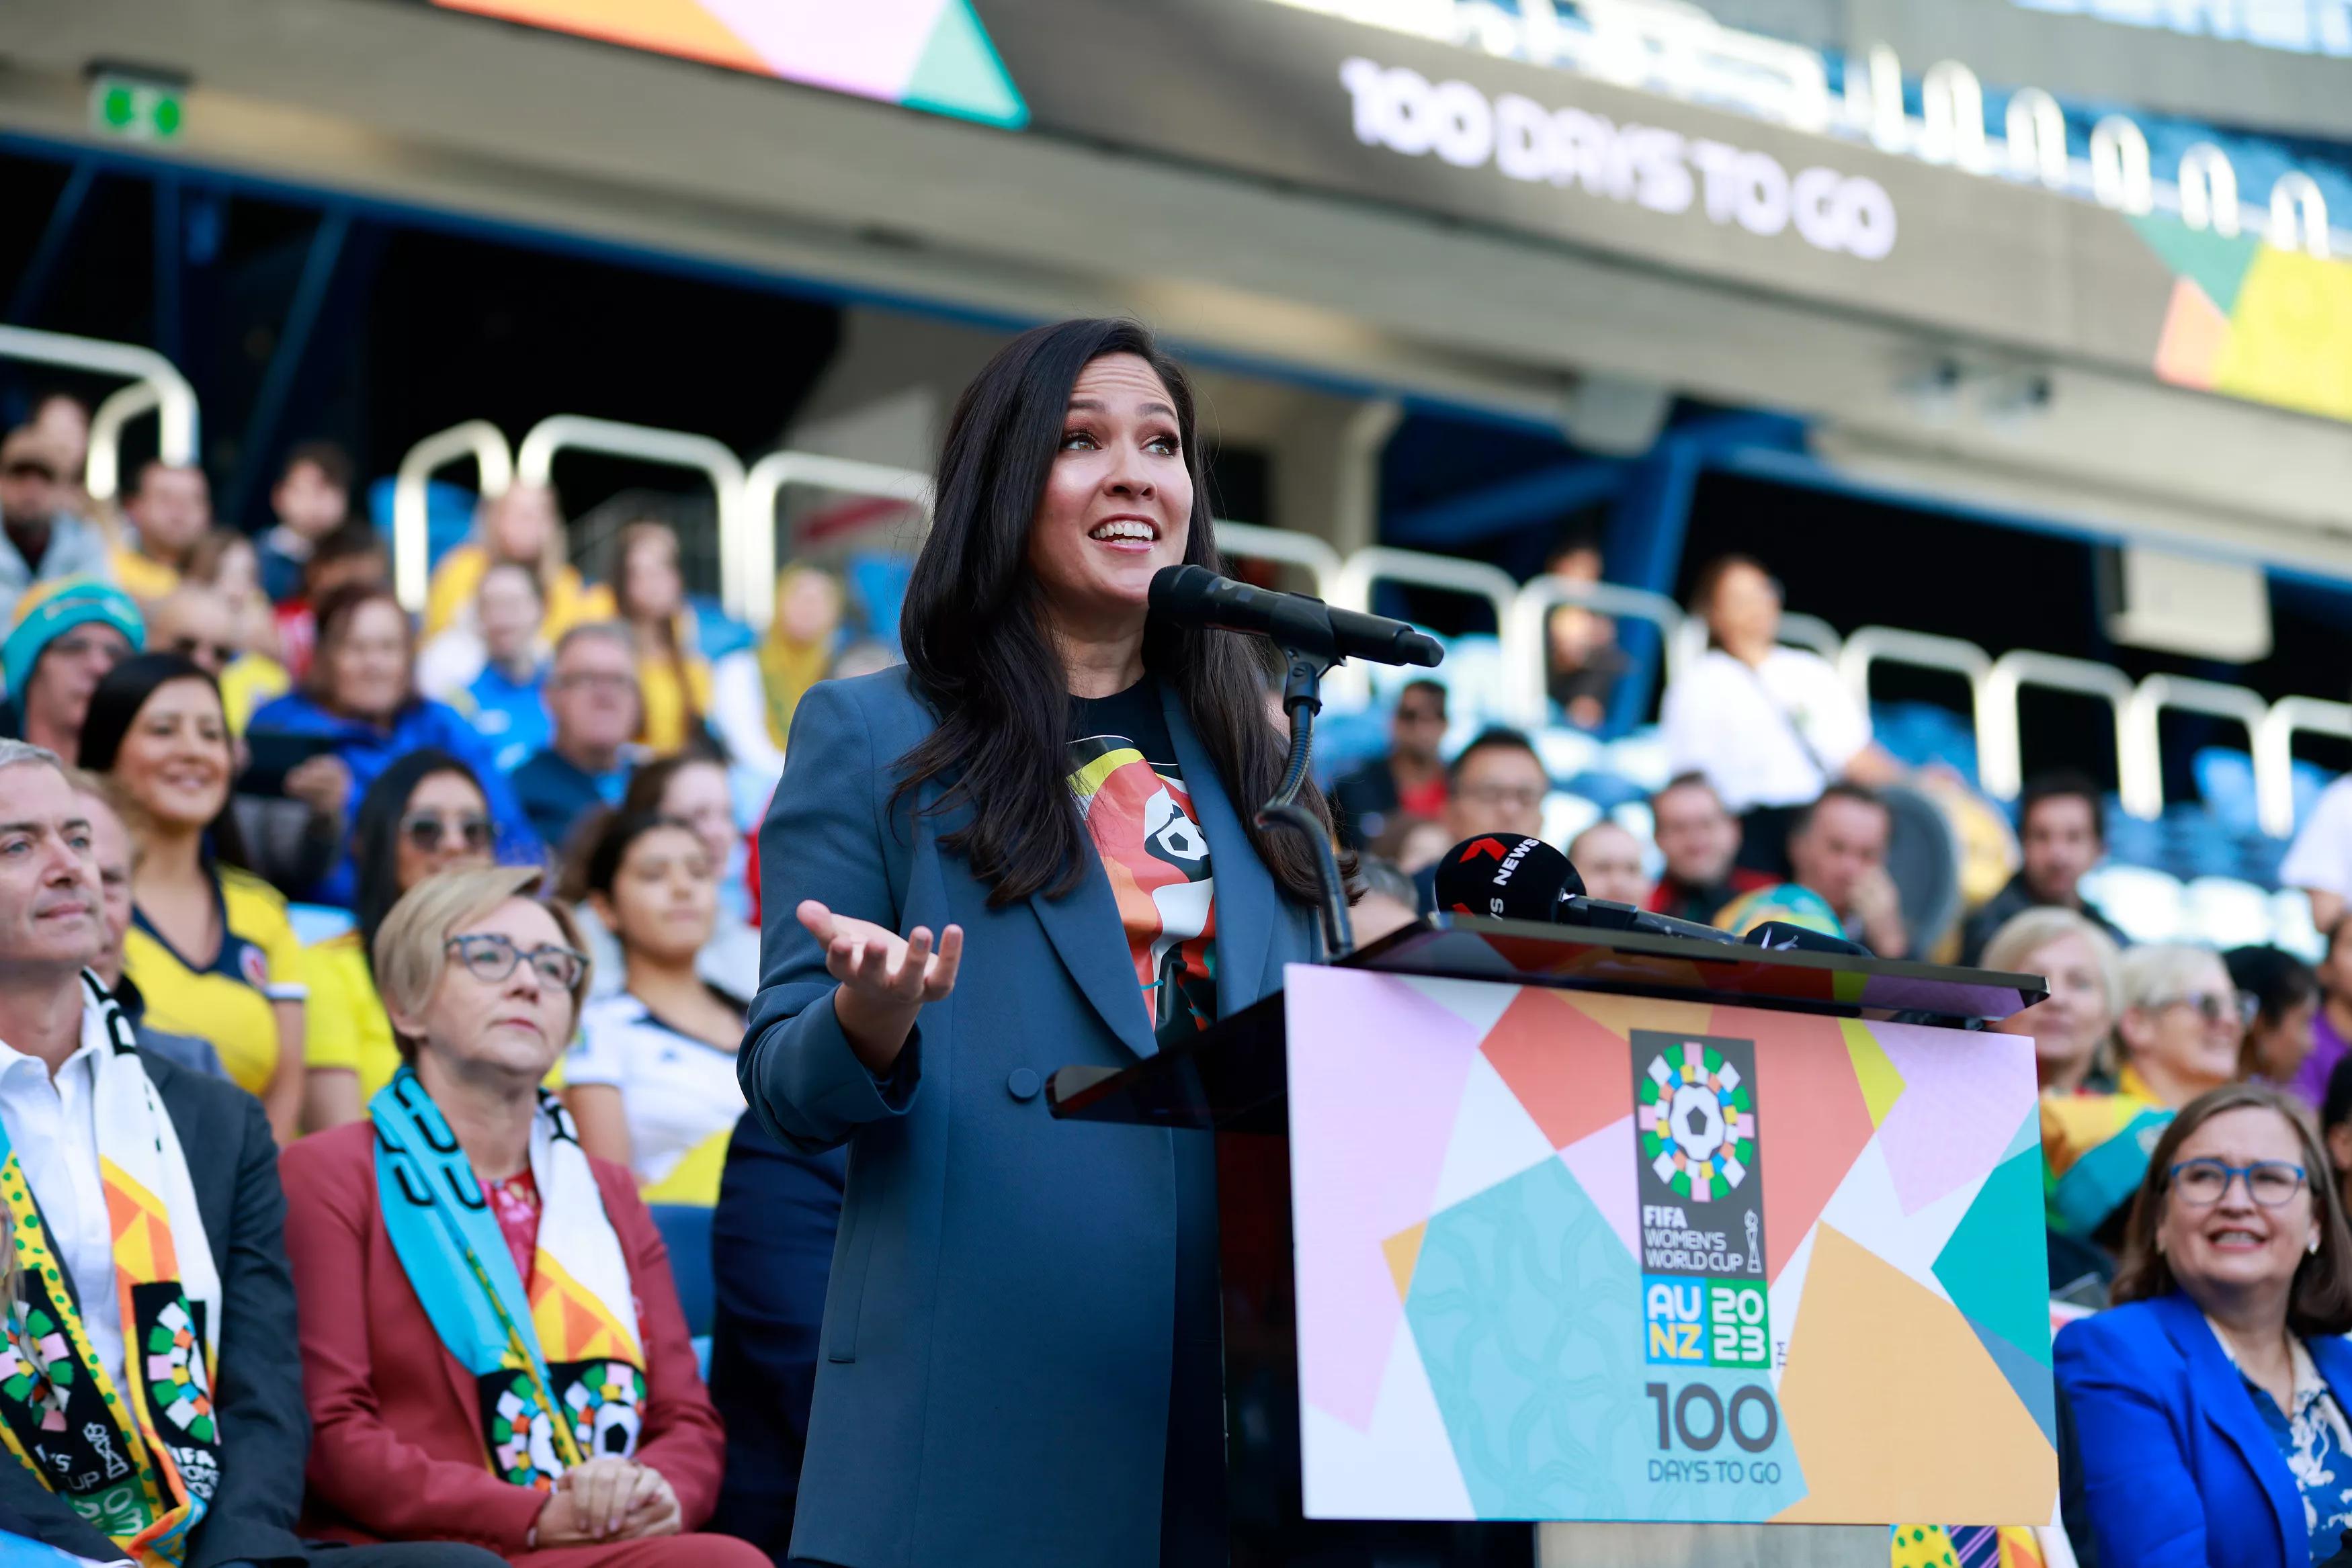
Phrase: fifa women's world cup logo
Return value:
(1698, 1121)
(1698, 1150)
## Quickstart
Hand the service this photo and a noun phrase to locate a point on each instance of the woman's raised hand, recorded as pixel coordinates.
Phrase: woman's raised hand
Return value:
(885, 979)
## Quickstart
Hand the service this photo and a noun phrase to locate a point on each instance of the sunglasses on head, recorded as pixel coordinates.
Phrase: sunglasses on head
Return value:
(428, 830)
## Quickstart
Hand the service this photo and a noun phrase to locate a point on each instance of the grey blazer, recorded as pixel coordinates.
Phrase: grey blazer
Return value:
(994, 1374)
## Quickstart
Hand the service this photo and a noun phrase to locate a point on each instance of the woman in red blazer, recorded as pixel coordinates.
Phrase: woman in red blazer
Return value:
(492, 1348)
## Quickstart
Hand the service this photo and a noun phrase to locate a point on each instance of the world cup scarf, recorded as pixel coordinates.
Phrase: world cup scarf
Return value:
(140, 1460)
(558, 1374)
(2094, 1151)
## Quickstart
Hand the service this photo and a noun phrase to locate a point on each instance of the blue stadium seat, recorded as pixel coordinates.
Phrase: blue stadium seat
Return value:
(1921, 733)
(686, 1231)
(2225, 778)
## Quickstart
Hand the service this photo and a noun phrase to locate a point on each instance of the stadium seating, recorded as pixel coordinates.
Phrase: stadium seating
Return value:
(2206, 868)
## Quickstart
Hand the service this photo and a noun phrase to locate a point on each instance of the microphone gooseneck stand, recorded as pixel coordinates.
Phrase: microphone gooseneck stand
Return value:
(1302, 699)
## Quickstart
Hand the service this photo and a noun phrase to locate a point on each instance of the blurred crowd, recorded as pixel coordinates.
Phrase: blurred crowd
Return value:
(260, 737)
(271, 752)
(2195, 1105)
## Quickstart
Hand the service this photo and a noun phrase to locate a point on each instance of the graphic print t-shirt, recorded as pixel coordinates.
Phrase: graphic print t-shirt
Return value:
(1131, 793)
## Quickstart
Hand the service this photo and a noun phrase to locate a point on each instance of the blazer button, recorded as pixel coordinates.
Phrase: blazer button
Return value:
(1023, 1084)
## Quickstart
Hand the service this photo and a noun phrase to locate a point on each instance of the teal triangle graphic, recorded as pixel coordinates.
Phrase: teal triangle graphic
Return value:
(959, 73)
(2028, 1379)
(2213, 264)
(1996, 1265)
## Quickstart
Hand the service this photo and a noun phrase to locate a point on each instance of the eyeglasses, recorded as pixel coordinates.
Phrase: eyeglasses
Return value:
(490, 957)
(1502, 795)
(2228, 1007)
(20, 469)
(595, 680)
(428, 830)
(2200, 1183)
(200, 651)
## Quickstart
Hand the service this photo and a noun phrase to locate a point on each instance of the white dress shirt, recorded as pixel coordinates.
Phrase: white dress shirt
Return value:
(1772, 736)
(53, 1125)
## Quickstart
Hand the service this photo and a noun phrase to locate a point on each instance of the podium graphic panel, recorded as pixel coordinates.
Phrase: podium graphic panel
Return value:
(1570, 1256)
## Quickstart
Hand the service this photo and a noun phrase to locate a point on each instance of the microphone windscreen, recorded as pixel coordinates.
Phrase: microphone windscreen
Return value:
(1507, 876)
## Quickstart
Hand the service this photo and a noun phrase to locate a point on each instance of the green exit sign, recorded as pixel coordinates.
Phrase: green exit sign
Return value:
(140, 108)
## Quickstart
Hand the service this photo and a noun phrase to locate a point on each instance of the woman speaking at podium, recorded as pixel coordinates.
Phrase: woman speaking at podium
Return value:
(1031, 846)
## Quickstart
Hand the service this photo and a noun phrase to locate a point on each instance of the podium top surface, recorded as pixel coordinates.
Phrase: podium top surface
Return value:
(1529, 952)
(1230, 1076)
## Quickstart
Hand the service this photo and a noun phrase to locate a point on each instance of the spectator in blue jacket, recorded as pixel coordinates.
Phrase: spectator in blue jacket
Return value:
(361, 697)
(592, 693)
(770, 1253)
(2209, 1403)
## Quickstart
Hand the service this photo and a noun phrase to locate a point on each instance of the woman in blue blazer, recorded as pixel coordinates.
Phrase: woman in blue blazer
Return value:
(2210, 1409)
(1019, 1359)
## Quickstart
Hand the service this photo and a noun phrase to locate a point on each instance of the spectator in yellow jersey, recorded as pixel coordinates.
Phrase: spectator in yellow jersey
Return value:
(524, 526)
(170, 509)
(209, 946)
(425, 813)
(226, 562)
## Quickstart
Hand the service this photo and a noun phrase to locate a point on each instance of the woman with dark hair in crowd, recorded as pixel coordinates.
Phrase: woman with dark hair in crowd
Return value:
(652, 1081)
(2284, 996)
(492, 1346)
(425, 813)
(692, 787)
(1074, 785)
(2209, 1404)
(209, 946)
(360, 702)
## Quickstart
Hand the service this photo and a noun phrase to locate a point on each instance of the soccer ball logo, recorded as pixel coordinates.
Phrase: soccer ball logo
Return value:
(1697, 1121)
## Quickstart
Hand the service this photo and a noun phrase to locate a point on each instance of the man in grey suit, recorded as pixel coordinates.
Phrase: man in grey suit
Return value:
(57, 1031)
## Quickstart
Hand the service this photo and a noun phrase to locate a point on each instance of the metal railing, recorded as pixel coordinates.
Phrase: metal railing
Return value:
(2001, 769)
(2141, 774)
(1526, 649)
(2275, 754)
(1251, 541)
(747, 501)
(156, 384)
(1873, 645)
(764, 484)
(739, 594)
(486, 443)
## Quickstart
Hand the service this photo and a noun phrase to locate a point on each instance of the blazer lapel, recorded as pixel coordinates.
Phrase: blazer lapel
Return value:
(1085, 927)
(1246, 896)
(2227, 1403)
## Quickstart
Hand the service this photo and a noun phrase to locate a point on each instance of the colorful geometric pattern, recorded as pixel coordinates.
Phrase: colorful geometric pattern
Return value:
(1466, 1159)
(2273, 326)
(1699, 1125)
(930, 55)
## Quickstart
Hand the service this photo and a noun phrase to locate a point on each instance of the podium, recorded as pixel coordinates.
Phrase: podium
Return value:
(1674, 1250)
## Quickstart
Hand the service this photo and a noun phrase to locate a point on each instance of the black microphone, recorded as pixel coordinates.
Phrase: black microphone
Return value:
(1507, 876)
(1606, 915)
(1786, 936)
(1195, 596)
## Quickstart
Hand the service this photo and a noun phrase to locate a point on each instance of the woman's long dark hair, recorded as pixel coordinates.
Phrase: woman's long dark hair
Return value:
(376, 834)
(114, 708)
(980, 655)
